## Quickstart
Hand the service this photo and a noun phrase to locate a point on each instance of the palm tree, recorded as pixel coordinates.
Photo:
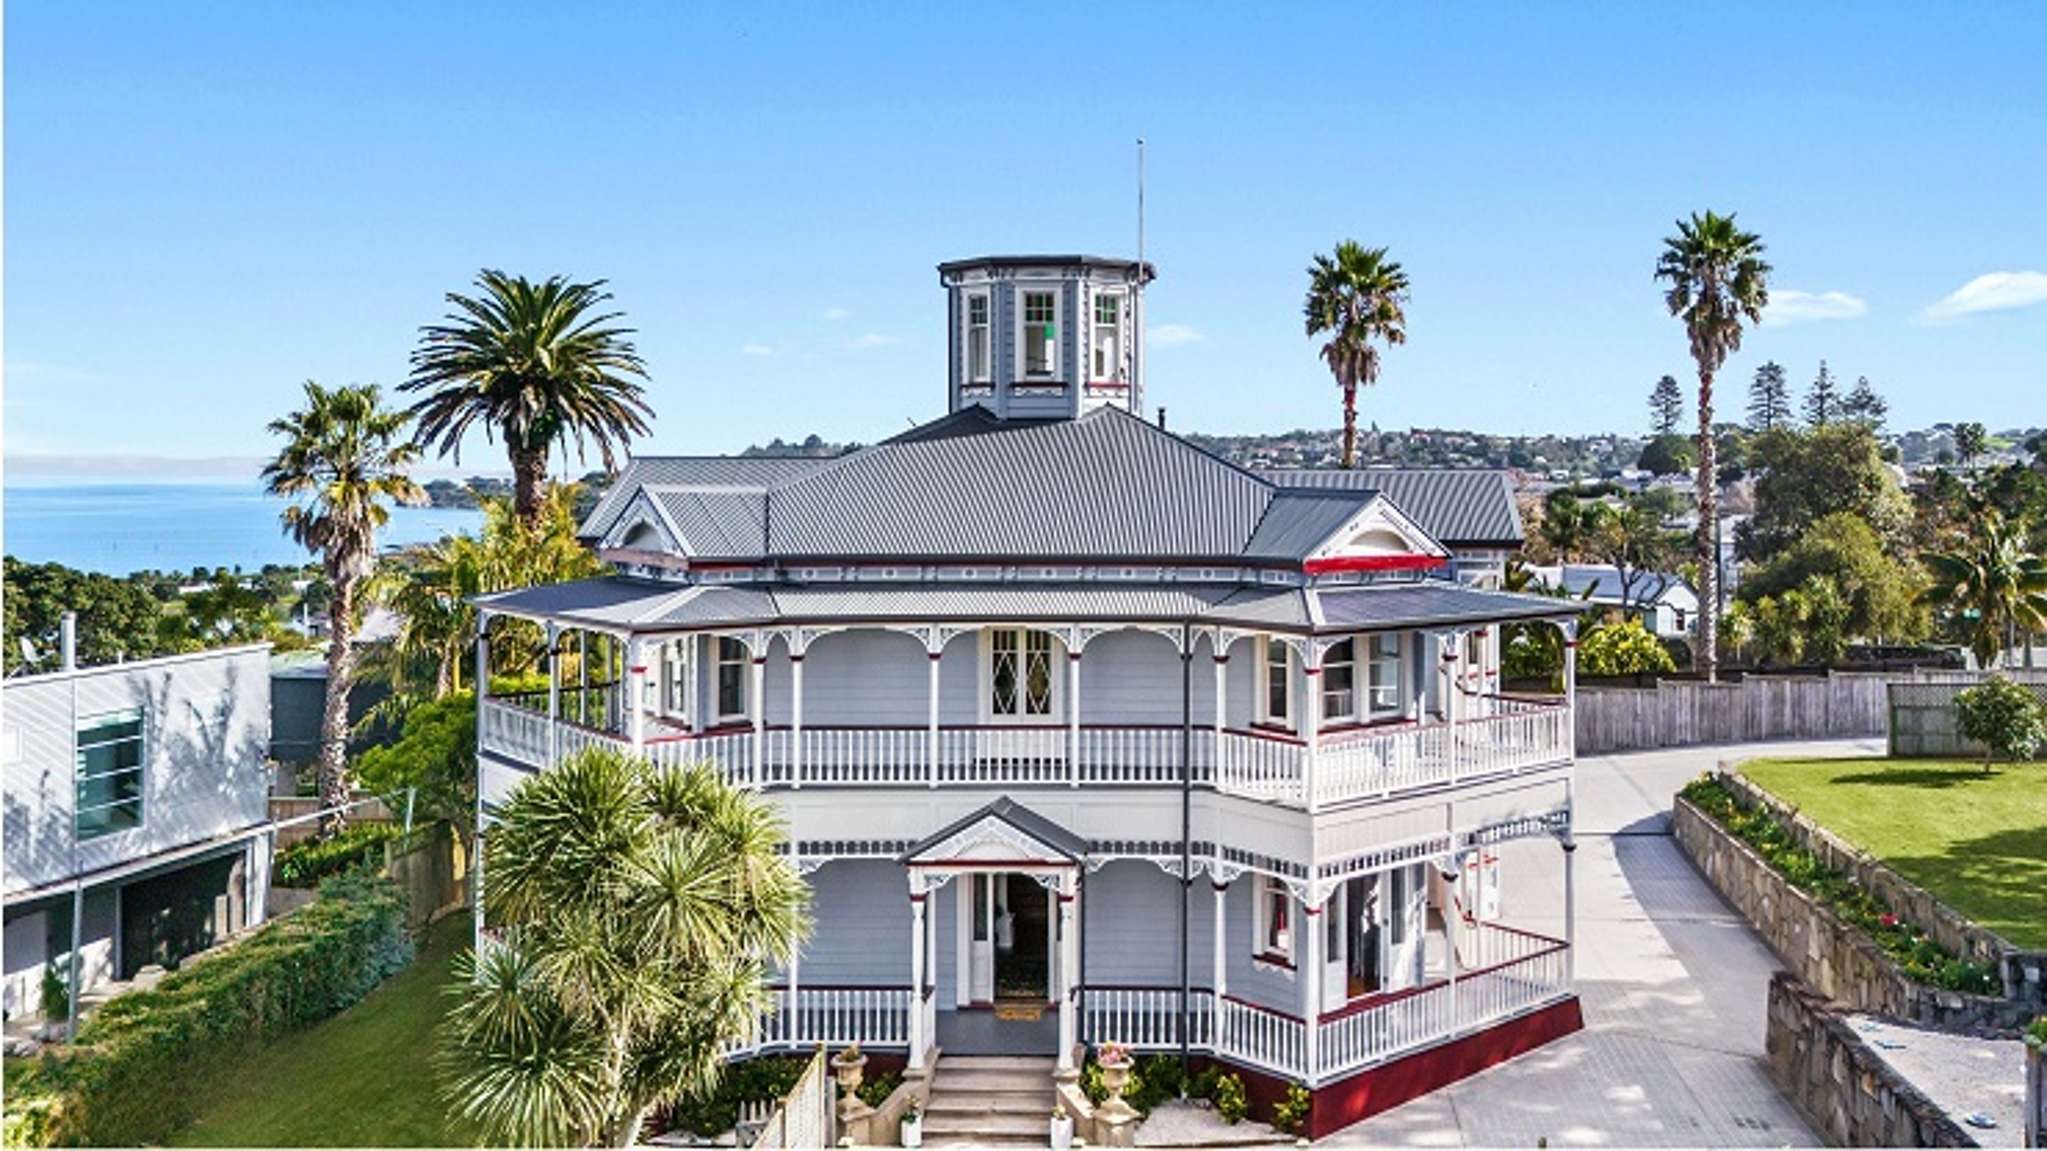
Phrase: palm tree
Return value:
(345, 460)
(1717, 281)
(1356, 296)
(638, 904)
(1993, 586)
(535, 363)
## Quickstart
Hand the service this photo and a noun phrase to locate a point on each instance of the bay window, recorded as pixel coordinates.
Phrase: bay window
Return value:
(1108, 337)
(979, 368)
(1040, 333)
(732, 678)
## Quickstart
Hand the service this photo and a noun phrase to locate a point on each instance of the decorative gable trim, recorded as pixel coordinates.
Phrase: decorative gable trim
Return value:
(641, 513)
(1380, 538)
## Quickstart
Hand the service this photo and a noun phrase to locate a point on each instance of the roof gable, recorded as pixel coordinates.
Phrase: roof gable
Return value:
(1001, 832)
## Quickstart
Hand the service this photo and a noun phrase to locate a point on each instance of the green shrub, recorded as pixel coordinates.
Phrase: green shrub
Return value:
(2037, 1033)
(1291, 1113)
(139, 1061)
(359, 845)
(1230, 1101)
(1916, 954)
(753, 1081)
(2004, 717)
(1202, 1085)
(875, 1089)
(56, 993)
(1624, 648)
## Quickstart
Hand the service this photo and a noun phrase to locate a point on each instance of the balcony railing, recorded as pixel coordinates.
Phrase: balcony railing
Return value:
(1347, 765)
(1371, 1031)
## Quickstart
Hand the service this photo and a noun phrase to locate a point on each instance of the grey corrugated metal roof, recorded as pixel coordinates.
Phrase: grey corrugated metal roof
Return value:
(1454, 505)
(618, 602)
(756, 473)
(1430, 601)
(1014, 814)
(1295, 522)
(1105, 485)
(718, 522)
(1648, 586)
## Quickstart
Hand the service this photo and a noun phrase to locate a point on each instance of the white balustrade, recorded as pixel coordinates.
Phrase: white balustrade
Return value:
(1259, 767)
(1424, 1017)
(1364, 763)
(1261, 1037)
(1146, 1018)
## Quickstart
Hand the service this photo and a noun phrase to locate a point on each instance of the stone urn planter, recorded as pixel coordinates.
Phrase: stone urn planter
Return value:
(1115, 1063)
(1061, 1135)
(849, 1065)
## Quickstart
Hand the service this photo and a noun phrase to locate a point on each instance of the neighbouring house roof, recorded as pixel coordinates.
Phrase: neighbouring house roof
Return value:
(1004, 810)
(618, 602)
(1467, 507)
(1605, 582)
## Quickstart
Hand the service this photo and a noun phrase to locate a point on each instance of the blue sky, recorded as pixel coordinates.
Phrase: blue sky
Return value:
(207, 204)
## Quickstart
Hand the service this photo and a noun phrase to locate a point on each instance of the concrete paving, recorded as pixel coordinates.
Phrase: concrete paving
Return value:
(1672, 980)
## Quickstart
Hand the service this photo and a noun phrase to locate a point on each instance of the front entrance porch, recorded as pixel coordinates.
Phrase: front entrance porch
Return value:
(998, 1032)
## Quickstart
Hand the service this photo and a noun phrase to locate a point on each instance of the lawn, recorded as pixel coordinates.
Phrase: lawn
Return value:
(361, 1079)
(1976, 841)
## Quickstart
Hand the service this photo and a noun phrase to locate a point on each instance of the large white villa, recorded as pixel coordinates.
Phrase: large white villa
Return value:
(1083, 734)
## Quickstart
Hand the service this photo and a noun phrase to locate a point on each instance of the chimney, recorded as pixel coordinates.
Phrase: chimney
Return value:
(67, 641)
(1162, 417)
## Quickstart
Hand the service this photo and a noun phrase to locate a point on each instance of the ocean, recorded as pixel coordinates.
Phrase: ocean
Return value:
(120, 528)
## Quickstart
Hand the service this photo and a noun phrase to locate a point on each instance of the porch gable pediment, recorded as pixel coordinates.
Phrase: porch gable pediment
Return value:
(1379, 537)
(1003, 832)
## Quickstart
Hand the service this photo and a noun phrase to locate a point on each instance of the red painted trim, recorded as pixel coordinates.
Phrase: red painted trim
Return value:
(1338, 1105)
(1220, 658)
(638, 669)
(1242, 1002)
(796, 657)
(1267, 731)
(1311, 671)
(1404, 562)
(1074, 656)
(917, 898)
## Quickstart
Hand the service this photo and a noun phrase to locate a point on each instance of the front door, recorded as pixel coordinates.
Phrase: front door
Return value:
(977, 920)
(1335, 955)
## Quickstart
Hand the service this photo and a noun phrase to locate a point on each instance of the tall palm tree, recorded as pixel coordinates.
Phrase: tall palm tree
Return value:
(1717, 282)
(1993, 586)
(1356, 296)
(535, 363)
(638, 904)
(346, 459)
(428, 587)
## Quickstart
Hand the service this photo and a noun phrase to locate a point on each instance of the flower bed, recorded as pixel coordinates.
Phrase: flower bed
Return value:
(1916, 954)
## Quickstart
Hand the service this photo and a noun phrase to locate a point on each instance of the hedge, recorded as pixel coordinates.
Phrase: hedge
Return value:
(141, 1060)
(306, 863)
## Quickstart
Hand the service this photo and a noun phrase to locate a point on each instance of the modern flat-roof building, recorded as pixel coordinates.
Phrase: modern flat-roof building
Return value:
(135, 798)
(1083, 734)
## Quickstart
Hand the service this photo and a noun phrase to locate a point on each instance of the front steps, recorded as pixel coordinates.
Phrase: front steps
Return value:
(990, 1099)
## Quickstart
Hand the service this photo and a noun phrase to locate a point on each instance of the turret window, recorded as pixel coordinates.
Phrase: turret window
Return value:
(1108, 337)
(979, 370)
(1040, 333)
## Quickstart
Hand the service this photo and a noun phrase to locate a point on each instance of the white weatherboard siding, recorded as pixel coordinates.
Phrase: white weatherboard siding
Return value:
(861, 935)
(1133, 929)
(206, 733)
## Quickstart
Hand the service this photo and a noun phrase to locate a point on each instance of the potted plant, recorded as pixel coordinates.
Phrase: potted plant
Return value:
(848, 1065)
(1114, 1059)
(1062, 1128)
(913, 1124)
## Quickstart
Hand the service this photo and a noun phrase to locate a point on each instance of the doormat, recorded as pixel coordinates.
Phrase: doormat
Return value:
(1019, 1012)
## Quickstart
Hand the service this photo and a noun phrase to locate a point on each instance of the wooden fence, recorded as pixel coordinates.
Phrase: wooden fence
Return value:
(1922, 712)
(1838, 705)
(1682, 713)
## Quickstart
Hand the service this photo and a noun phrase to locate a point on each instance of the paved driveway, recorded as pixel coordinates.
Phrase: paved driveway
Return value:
(1672, 980)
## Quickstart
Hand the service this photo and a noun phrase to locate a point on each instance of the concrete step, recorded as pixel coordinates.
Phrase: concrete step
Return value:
(990, 1103)
(1035, 1127)
(948, 1080)
(1043, 1063)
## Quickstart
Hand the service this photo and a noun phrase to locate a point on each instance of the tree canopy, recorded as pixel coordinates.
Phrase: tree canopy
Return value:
(1804, 476)
(1881, 590)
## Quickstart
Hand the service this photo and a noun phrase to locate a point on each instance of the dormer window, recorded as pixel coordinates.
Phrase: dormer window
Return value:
(1040, 333)
(1108, 337)
(979, 367)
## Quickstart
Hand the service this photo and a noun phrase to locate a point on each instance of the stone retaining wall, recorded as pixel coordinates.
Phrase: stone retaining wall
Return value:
(1836, 958)
(2024, 972)
(1851, 1097)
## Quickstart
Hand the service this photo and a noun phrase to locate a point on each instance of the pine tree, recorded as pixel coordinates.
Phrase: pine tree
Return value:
(1769, 398)
(1863, 406)
(1666, 406)
(1823, 400)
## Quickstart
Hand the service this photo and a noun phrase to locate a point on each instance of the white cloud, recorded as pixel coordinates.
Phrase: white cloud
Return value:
(1991, 292)
(836, 314)
(1791, 306)
(870, 340)
(756, 350)
(1173, 335)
